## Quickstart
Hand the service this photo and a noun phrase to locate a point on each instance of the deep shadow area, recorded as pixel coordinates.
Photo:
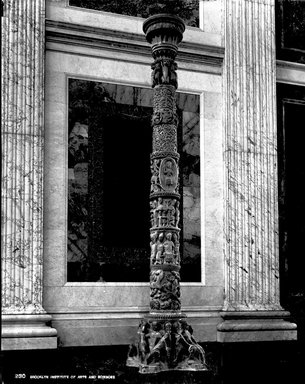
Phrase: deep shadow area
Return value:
(273, 362)
(291, 160)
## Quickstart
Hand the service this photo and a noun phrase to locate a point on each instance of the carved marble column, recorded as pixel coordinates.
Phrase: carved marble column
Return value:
(251, 201)
(165, 338)
(22, 112)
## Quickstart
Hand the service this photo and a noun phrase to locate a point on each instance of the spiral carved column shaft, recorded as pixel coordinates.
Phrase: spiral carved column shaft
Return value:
(164, 33)
(164, 204)
(165, 339)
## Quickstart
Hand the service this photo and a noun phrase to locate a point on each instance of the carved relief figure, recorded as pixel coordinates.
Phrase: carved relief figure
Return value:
(182, 347)
(155, 334)
(156, 278)
(173, 75)
(176, 284)
(163, 222)
(160, 248)
(162, 349)
(168, 174)
(177, 213)
(154, 213)
(177, 252)
(143, 342)
(165, 71)
(185, 349)
(156, 73)
(163, 213)
(195, 349)
(171, 213)
(159, 211)
(168, 249)
(155, 186)
(153, 247)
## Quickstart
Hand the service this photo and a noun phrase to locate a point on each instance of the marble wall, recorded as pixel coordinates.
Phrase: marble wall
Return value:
(106, 312)
(63, 65)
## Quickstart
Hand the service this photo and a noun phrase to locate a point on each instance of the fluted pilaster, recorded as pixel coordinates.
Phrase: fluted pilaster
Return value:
(22, 110)
(252, 310)
(251, 223)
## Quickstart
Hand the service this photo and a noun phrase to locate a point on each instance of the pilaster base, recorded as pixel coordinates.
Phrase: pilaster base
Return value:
(27, 332)
(249, 326)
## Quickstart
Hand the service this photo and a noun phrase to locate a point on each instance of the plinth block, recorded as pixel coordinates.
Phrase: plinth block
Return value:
(27, 343)
(256, 326)
(27, 332)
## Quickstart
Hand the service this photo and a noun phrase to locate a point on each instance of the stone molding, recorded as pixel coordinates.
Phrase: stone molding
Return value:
(96, 39)
(256, 326)
(290, 73)
(28, 326)
(22, 110)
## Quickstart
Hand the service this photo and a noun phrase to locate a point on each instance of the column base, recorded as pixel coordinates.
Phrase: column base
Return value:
(166, 344)
(249, 326)
(27, 332)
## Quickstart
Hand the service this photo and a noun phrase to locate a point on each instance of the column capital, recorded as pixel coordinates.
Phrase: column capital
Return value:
(164, 32)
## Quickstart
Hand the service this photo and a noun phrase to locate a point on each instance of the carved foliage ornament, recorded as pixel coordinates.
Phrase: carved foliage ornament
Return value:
(164, 116)
(164, 98)
(164, 138)
(164, 290)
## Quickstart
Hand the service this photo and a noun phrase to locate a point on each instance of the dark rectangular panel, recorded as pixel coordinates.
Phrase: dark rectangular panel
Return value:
(291, 139)
(188, 10)
(290, 30)
(109, 180)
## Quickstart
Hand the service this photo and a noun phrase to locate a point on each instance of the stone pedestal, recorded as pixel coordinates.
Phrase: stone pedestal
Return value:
(252, 308)
(22, 111)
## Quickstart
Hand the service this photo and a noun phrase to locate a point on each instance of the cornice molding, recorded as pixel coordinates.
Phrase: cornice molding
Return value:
(65, 34)
(101, 312)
